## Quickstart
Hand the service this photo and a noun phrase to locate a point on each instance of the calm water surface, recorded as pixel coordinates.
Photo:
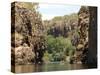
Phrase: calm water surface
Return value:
(49, 67)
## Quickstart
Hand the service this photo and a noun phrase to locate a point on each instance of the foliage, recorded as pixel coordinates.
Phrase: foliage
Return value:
(46, 57)
(59, 47)
(47, 41)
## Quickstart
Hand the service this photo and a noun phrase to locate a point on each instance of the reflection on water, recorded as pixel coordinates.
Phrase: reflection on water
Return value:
(49, 67)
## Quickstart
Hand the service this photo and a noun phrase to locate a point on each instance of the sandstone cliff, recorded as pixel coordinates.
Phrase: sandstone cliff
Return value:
(27, 33)
(86, 51)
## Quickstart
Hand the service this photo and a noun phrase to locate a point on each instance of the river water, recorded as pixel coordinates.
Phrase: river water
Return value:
(50, 67)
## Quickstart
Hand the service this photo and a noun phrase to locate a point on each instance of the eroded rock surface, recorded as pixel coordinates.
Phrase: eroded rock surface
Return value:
(27, 33)
(87, 46)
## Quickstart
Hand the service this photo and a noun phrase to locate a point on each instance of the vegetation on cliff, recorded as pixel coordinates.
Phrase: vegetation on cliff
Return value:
(61, 39)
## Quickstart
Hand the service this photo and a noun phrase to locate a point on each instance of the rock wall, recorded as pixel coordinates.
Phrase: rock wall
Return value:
(27, 34)
(83, 26)
(28, 42)
(87, 47)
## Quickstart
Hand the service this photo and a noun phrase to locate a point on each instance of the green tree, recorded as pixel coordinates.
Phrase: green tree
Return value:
(59, 47)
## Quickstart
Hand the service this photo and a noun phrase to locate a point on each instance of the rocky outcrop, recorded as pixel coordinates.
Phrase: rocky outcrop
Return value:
(62, 25)
(86, 51)
(27, 34)
(83, 26)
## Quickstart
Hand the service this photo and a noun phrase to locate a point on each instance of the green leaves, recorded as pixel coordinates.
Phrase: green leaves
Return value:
(59, 47)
